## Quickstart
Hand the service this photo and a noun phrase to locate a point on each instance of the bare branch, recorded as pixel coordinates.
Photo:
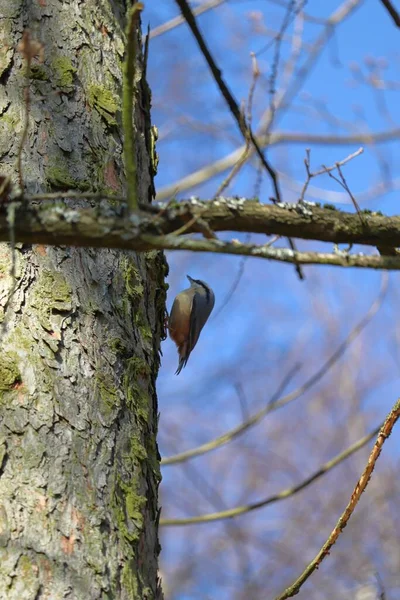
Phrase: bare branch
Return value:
(284, 255)
(176, 21)
(287, 493)
(277, 402)
(244, 127)
(283, 98)
(337, 165)
(212, 170)
(392, 12)
(362, 483)
(226, 93)
(108, 226)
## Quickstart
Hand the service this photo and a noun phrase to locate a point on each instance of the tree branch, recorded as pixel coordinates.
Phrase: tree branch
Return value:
(392, 12)
(287, 493)
(233, 106)
(274, 139)
(226, 93)
(176, 21)
(362, 483)
(153, 228)
(276, 401)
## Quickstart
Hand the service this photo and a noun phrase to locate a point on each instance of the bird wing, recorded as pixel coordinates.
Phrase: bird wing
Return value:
(199, 314)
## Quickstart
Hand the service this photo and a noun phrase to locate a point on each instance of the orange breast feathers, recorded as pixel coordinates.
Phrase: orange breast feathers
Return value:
(179, 319)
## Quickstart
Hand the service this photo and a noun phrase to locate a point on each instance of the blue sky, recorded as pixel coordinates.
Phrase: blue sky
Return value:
(273, 320)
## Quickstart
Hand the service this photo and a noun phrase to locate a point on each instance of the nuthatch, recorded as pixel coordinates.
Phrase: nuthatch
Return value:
(189, 313)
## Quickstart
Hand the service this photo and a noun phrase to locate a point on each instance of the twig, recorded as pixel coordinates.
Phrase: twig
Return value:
(246, 152)
(291, 9)
(176, 21)
(127, 105)
(324, 169)
(284, 255)
(392, 12)
(287, 493)
(242, 400)
(226, 93)
(234, 285)
(362, 483)
(380, 586)
(236, 168)
(276, 402)
(233, 106)
(219, 166)
(342, 181)
(236, 431)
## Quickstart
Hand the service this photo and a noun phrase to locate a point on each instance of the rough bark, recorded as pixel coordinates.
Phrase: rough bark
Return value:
(80, 333)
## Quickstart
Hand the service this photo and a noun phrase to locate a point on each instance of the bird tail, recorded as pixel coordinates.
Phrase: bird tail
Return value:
(183, 358)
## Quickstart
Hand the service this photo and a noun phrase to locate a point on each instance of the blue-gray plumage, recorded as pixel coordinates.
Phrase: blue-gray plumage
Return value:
(189, 314)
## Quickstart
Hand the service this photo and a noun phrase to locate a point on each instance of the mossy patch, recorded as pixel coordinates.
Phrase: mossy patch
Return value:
(133, 279)
(52, 292)
(63, 71)
(137, 372)
(108, 392)
(59, 177)
(138, 451)
(117, 346)
(9, 371)
(128, 505)
(129, 581)
(38, 73)
(105, 102)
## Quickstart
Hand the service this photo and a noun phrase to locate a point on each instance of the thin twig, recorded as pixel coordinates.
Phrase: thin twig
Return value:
(380, 586)
(276, 402)
(226, 93)
(283, 255)
(323, 170)
(233, 106)
(392, 12)
(242, 400)
(127, 105)
(362, 483)
(284, 100)
(176, 21)
(219, 166)
(234, 285)
(342, 181)
(246, 152)
(283, 495)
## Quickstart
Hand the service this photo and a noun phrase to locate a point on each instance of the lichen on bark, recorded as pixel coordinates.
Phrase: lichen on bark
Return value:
(80, 337)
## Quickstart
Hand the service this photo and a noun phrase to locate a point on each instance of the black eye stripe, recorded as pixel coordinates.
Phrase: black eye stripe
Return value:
(205, 288)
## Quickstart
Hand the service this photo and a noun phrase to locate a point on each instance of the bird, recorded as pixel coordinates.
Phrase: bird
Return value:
(189, 313)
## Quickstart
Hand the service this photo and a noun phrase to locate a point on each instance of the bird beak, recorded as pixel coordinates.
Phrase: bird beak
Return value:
(190, 279)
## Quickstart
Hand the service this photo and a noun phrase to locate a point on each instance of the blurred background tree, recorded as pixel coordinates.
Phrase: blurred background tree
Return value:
(317, 75)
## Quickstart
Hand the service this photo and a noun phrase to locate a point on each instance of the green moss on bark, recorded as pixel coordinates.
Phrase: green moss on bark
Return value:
(137, 372)
(52, 292)
(64, 72)
(105, 102)
(9, 371)
(108, 393)
(59, 177)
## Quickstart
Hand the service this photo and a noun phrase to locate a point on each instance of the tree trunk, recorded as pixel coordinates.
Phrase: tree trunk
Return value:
(80, 330)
